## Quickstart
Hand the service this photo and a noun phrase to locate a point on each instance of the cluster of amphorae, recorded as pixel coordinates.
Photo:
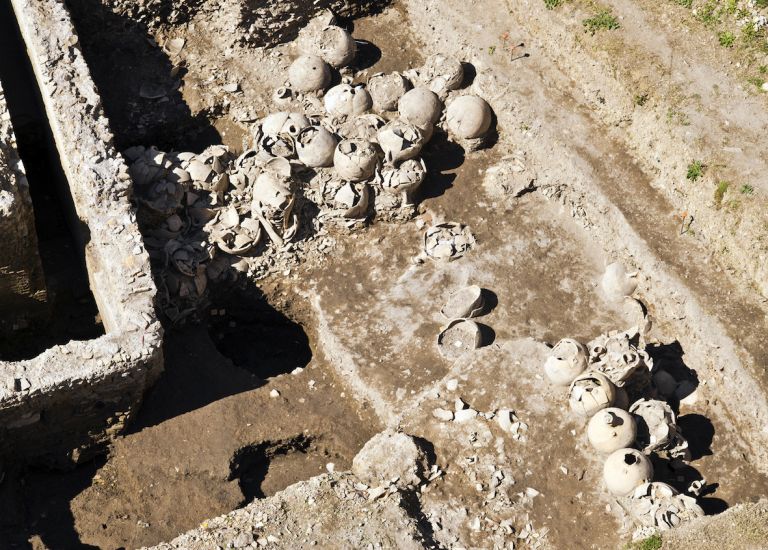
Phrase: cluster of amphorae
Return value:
(600, 379)
(352, 149)
(373, 132)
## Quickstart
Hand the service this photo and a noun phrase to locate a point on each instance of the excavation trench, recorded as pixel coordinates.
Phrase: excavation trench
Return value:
(72, 313)
(247, 406)
(243, 409)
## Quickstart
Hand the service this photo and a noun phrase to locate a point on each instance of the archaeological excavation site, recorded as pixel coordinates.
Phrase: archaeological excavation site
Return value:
(383, 274)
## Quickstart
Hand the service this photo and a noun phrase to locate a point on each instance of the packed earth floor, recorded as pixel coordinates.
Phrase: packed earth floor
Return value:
(616, 197)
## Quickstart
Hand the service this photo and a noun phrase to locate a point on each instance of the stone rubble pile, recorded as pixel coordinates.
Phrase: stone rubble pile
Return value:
(322, 159)
(603, 377)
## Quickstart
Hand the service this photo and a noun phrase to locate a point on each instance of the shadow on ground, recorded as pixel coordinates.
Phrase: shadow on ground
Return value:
(138, 83)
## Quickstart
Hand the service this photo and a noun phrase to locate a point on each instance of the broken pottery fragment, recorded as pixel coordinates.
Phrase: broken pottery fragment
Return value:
(364, 127)
(468, 117)
(661, 506)
(273, 201)
(589, 393)
(284, 122)
(458, 338)
(566, 361)
(400, 141)
(282, 95)
(355, 159)
(420, 107)
(208, 170)
(347, 100)
(147, 165)
(511, 423)
(625, 469)
(447, 241)
(174, 46)
(405, 178)
(233, 236)
(353, 199)
(315, 147)
(163, 197)
(611, 429)
(616, 283)
(276, 146)
(386, 90)
(309, 73)
(464, 303)
(615, 356)
(333, 44)
(657, 429)
(442, 74)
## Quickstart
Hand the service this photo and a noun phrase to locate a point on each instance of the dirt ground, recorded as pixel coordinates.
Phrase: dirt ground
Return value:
(308, 363)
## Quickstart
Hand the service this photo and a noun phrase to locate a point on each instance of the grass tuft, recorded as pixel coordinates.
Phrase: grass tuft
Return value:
(747, 189)
(727, 39)
(720, 191)
(695, 170)
(552, 4)
(604, 20)
(708, 13)
(641, 99)
(651, 543)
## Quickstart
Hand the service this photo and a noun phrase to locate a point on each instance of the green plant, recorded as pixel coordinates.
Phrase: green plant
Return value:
(552, 4)
(695, 170)
(747, 189)
(491, 50)
(641, 99)
(603, 20)
(677, 116)
(753, 37)
(756, 81)
(685, 3)
(707, 13)
(651, 543)
(727, 39)
(720, 191)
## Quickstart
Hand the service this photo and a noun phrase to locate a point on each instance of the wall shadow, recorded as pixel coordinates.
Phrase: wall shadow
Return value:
(250, 465)
(257, 337)
(138, 83)
(442, 158)
(61, 235)
(223, 355)
(670, 358)
(35, 507)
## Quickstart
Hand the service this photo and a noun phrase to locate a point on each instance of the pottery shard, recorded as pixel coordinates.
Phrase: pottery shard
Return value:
(660, 506)
(447, 241)
(461, 336)
(464, 303)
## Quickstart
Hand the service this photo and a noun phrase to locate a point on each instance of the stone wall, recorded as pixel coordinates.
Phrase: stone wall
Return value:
(69, 401)
(22, 287)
